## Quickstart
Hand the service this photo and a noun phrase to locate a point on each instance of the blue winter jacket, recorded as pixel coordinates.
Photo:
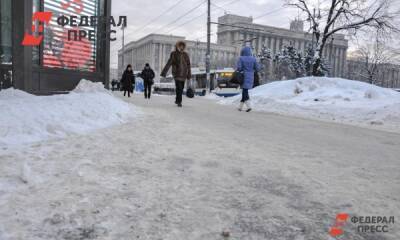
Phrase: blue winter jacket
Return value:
(248, 65)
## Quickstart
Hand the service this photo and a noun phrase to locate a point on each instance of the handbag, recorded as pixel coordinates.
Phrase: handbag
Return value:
(256, 79)
(190, 91)
(237, 78)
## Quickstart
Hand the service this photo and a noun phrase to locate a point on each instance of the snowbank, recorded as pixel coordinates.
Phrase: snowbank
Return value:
(334, 99)
(26, 118)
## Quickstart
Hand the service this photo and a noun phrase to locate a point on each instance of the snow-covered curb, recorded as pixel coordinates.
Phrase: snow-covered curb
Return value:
(27, 118)
(332, 99)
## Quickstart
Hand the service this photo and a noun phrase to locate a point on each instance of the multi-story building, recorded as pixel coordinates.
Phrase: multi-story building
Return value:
(235, 30)
(155, 49)
(233, 33)
(113, 74)
(386, 75)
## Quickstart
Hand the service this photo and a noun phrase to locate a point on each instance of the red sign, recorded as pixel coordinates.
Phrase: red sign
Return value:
(43, 18)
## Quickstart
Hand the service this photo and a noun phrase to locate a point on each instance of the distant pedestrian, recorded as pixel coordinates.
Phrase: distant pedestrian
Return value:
(113, 84)
(148, 80)
(128, 79)
(247, 64)
(180, 62)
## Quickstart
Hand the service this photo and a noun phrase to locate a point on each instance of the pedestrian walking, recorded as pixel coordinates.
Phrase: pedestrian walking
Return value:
(148, 80)
(113, 84)
(128, 80)
(247, 64)
(179, 60)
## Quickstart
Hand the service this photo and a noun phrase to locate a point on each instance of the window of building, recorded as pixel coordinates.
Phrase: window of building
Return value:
(58, 51)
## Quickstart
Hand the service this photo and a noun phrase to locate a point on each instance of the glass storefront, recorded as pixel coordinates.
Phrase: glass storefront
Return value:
(6, 32)
(6, 57)
(58, 63)
(59, 52)
(36, 49)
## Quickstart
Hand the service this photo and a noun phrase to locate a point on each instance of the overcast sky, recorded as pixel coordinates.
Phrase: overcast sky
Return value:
(140, 13)
(141, 16)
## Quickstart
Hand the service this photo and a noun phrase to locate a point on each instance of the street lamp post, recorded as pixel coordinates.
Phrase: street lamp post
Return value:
(123, 46)
(208, 55)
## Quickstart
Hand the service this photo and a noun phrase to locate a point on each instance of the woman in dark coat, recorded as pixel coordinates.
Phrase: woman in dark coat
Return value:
(128, 79)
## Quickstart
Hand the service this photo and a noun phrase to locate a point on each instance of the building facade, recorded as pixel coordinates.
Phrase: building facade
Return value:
(235, 30)
(233, 33)
(387, 75)
(56, 64)
(155, 49)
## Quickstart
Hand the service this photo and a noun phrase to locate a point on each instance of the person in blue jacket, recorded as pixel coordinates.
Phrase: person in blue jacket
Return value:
(248, 65)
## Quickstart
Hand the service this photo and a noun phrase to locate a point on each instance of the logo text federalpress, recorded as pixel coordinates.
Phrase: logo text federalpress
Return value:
(363, 224)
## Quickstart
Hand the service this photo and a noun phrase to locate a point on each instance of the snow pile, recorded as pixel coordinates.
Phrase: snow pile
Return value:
(86, 86)
(13, 93)
(26, 118)
(334, 99)
(212, 96)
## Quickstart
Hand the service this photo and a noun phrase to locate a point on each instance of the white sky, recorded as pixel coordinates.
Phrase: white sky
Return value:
(141, 13)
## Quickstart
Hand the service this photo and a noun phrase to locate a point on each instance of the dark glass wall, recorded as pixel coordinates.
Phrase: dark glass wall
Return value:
(58, 50)
(58, 64)
(6, 56)
(5, 32)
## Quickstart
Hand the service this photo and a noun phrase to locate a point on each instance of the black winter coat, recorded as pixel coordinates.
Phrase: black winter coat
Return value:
(127, 81)
(148, 75)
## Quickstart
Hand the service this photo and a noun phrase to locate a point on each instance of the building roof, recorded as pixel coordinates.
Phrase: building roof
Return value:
(246, 23)
(171, 39)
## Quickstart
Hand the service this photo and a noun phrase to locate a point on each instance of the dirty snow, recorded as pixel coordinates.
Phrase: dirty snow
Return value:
(197, 171)
(332, 99)
(27, 118)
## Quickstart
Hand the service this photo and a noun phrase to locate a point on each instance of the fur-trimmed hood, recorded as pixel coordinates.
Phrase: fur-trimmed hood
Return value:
(179, 43)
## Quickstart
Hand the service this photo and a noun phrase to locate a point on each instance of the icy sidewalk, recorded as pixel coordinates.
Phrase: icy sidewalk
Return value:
(329, 99)
(194, 172)
(27, 118)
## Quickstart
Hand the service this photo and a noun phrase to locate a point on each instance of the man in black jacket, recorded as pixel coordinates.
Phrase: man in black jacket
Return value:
(148, 80)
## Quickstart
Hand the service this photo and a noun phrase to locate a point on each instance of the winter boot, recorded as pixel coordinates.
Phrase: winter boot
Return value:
(241, 106)
(248, 105)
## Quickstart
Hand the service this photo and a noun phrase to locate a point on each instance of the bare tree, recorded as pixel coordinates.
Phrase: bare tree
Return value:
(373, 55)
(345, 15)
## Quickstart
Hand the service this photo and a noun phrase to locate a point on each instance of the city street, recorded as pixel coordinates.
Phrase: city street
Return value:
(201, 172)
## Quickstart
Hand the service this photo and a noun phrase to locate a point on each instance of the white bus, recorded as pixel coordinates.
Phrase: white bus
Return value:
(220, 83)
